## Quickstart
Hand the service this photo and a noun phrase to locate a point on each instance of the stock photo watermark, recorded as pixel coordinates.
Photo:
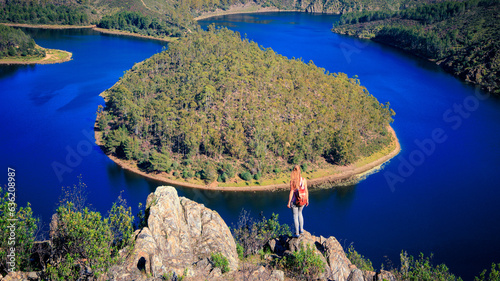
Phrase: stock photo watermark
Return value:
(454, 117)
(350, 49)
(74, 155)
(11, 221)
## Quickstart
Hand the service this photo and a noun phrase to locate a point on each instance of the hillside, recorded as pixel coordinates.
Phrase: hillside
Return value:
(166, 18)
(14, 43)
(463, 37)
(216, 107)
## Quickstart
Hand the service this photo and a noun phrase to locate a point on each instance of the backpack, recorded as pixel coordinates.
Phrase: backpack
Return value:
(300, 194)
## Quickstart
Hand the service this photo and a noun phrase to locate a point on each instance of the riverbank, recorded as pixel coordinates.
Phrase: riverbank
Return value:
(323, 178)
(126, 33)
(52, 56)
(93, 27)
(241, 9)
(47, 26)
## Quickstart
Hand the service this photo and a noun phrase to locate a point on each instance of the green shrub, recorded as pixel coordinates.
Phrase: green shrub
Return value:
(240, 250)
(246, 176)
(82, 239)
(303, 167)
(208, 173)
(24, 230)
(422, 269)
(222, 177)
(84, 243)
(253, 235)
(304, 264)
(493, 276)
(257, 176)
(175, 165)
(120, 220)
(186, 174)
(358, 260)
(220, 261)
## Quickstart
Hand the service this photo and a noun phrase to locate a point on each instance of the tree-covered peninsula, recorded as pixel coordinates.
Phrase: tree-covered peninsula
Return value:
(14, 43)
(216, 107)
(462, 36)
(17, 47)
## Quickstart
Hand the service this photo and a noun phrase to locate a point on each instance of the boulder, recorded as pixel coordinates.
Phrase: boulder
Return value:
(356, 275)
(21, 276)
(385, 276)
(337, 266)
(340, 265)
(179, 234)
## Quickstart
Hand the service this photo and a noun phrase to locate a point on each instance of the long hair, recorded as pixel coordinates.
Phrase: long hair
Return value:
(295, 177)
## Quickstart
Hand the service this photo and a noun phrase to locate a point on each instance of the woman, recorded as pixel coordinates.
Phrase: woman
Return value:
(298, 198)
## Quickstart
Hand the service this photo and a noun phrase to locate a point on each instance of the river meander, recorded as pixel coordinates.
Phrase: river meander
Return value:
(439, 195)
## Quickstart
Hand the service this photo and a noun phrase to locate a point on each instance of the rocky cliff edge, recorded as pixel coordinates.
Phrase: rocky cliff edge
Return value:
(181, 235)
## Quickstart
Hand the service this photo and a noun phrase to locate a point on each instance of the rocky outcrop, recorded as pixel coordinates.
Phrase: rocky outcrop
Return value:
(21, 276)
(338, 266)
(320, 6)
(179, 238)
(181, 235)
(341, 7)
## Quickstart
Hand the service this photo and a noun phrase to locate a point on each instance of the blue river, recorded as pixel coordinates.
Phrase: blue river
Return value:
(439, 195)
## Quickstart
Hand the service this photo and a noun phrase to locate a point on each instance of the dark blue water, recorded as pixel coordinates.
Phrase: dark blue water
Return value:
(439, 195)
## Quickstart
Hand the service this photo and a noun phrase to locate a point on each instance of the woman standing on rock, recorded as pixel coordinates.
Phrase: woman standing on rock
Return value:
(297, 199)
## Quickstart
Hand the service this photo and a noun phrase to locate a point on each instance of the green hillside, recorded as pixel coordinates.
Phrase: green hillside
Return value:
(463, 37)
(215, 106)
(15, 43)
(160, 18)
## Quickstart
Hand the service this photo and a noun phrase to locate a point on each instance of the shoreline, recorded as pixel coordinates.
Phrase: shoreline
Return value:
(349, 173)
(93, 27)
(241, 9)
(52, 56)
(47, 26)
(126, 33)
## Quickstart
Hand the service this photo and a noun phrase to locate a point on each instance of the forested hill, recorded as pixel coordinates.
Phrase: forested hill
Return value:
(463, 37)
(215, 106)
(14, 43)
(170, 18)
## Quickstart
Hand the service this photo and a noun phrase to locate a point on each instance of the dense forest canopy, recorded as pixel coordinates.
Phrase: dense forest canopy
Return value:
(41, 12)
(219, 105)
(165, 17)
(137, 23)
(464, 37)
(14, 42)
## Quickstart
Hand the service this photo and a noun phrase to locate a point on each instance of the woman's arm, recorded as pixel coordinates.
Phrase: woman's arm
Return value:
(307, 192)
(290, 196)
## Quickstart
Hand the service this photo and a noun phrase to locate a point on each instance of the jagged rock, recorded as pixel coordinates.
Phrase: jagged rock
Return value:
(340, 265)
(385, 275)
(54, 222)
(276, 246)
(356, 275)
(254, 274)
(180, 235)
(21, 276)
(370, 275)
(277, 275)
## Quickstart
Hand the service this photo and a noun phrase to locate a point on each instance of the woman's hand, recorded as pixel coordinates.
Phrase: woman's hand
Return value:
(288, 205)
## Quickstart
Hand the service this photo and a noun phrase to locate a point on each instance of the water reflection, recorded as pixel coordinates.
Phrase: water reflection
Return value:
(7, 70)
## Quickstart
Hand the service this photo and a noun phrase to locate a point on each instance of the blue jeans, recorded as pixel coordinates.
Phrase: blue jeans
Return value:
(298, 219)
